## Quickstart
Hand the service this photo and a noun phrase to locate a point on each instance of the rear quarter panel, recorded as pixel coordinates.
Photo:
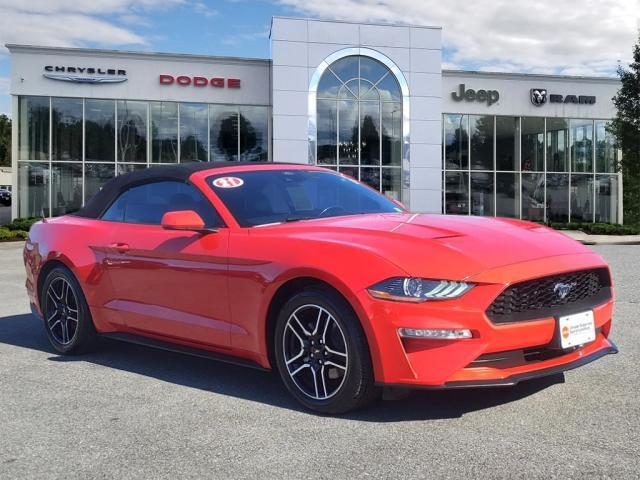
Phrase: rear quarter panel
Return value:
(79, 244)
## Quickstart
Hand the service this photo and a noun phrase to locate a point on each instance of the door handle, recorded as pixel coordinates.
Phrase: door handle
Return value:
(120, 247)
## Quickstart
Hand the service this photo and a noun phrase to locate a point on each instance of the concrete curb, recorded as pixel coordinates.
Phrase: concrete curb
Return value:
(587, 239)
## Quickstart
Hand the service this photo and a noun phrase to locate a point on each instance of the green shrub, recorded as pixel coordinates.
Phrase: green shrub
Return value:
(598, 228)
(23, 224)
(8, 235)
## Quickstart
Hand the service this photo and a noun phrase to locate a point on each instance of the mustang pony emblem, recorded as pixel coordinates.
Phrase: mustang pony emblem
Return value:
(563, 289)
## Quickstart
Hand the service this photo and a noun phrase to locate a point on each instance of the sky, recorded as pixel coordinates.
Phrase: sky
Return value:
(589, 37)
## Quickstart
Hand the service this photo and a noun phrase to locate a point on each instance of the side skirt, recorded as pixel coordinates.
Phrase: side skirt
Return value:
(194, 352)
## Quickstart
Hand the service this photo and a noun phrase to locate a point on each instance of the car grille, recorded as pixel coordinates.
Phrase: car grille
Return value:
(542, 297)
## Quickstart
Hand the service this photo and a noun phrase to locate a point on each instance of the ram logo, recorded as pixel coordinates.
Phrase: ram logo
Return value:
(538, 96)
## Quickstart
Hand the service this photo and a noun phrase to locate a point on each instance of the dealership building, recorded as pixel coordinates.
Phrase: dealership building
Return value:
(369, 100)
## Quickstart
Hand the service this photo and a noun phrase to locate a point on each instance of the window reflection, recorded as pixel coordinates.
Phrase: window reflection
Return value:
(100, 130)
(456, 142)
(33, 128)
(164, 132)
(359, 122)
(507, 195)
(581, 198)
(482, 194)
(254, 134)
(581, 145)
(558, 197)
(224, 133)
(33, 189)
(557, 145)
(606, 149)
(132, 131)
(194, 132)
(66, 188)
(607, 194)
(66, 119)
(457, 193)
(533, 196)
(506, 143)
(95, 176)
(481, 132)
(532, 144)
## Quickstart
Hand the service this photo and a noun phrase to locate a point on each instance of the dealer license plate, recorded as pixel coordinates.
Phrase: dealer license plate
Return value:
(576, 329)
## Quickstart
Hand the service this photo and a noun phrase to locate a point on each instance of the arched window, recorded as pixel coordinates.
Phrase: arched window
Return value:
(359, 122)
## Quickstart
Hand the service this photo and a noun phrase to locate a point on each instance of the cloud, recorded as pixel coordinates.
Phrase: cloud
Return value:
(240, 38)
(73, 23)
(545, 36)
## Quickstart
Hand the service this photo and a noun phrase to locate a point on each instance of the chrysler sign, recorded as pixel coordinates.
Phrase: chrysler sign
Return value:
(85, 74)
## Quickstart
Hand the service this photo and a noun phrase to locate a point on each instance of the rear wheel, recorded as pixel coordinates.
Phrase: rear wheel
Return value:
(67, 319)
(322, 354)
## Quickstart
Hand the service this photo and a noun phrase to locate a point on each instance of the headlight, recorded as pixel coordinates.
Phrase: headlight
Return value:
(418, 289)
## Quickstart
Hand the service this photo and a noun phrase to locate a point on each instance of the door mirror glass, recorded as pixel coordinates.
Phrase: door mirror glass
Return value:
(183, 220)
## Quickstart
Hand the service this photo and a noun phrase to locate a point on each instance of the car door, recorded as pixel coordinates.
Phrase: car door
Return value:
(169, 283)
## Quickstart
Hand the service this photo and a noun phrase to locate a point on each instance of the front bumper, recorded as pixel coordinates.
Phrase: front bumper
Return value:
(424, 363)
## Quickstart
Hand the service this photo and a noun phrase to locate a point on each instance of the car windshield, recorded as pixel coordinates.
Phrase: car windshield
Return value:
(274, 196)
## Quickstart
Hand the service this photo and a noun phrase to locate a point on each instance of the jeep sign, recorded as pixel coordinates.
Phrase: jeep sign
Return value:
(485, 96)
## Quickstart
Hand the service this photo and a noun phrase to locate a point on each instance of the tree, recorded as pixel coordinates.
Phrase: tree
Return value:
(5, 141)
(626, 128)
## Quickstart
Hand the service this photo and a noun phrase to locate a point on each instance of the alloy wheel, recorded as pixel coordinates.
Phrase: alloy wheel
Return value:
(61, 311)
(315, 352)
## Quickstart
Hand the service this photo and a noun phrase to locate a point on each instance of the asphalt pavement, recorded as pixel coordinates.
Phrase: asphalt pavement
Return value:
(128, 411)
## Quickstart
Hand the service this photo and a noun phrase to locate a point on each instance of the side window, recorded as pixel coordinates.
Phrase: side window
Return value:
(147, 204)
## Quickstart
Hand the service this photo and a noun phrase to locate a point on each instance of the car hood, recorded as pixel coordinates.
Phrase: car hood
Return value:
(442, 246)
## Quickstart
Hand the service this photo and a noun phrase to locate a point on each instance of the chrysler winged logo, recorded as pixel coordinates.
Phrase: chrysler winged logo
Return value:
(538, 96)
(563, 289)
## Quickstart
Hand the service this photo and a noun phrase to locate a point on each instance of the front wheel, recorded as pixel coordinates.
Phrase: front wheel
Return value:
(67, 319)
(322, 354)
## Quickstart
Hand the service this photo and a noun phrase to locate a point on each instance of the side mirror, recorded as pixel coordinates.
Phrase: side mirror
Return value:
(185, 220)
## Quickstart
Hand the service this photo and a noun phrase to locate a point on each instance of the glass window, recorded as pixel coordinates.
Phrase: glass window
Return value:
(607, 194)
(224, 133)
(193, 132)
(606, 149)
(132, 131)
(66, 188)
(507, 195)
(66, 119)
(481, 132)
(558, 197)
(164, 132)
(557, 145)
(457, 193)
(506, 143)
(33, 128)
(254, 134)
(33, 189)
(391, 133)
(348, 132)
(581, 198)
(370, 133)
(456, 142)
(532, 144)
(581, 145)
(533, 196)
(146, 204)
(327, 132)
(482, 194)
(289, 195)
(366, 120)
(391, 183)
(124, 168)
(95, 176)
(100, 130)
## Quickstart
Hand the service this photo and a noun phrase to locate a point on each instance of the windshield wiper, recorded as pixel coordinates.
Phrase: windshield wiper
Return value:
(297, 219)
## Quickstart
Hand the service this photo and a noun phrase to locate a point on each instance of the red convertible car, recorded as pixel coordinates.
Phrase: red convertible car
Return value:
(306, 271)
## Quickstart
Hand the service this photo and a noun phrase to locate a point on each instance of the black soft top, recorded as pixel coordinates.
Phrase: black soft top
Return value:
(180, 172)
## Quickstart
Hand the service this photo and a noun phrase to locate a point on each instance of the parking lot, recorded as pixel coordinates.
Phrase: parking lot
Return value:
(132, 412)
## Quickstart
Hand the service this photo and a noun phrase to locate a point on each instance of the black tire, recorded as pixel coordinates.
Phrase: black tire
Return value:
(354, 385)
(80, 335)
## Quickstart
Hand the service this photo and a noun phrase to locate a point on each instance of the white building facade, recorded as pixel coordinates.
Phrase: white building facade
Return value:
(370, 101)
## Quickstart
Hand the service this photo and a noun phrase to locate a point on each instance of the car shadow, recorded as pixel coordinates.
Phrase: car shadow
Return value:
(26, 331)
